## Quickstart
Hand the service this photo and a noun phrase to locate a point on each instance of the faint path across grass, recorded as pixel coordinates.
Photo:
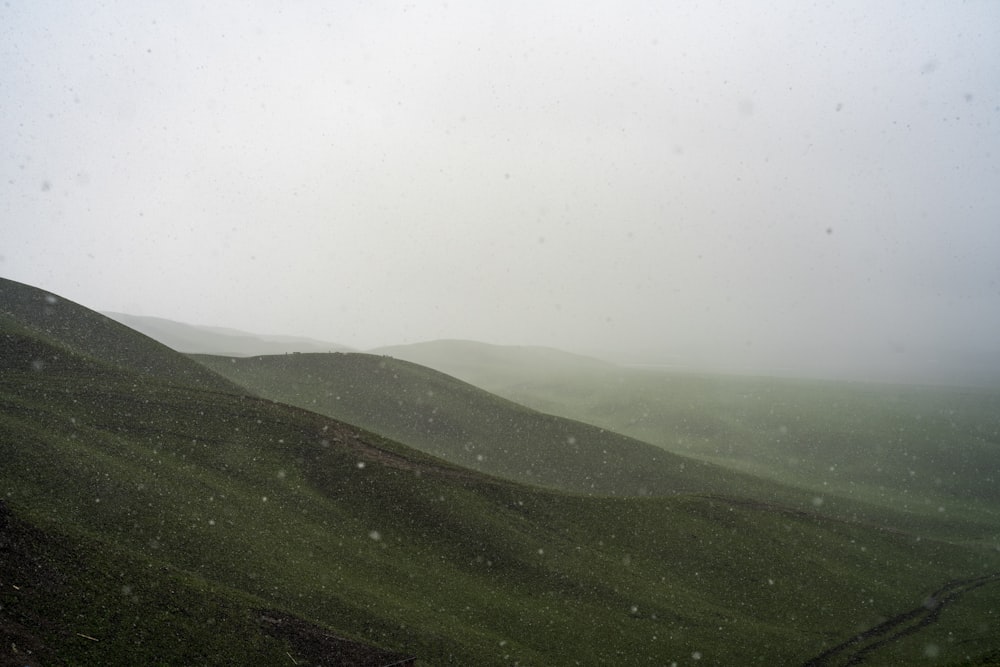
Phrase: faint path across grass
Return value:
(855, 650)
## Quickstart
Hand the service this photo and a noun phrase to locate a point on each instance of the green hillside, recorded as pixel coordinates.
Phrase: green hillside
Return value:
(922, 450)
(43, 330)
(465, 425)
(930, 452)
(147, 522)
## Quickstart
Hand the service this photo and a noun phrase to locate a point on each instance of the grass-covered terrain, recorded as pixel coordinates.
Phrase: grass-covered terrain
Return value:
(932, 453)
(147, 520)
(923, 450)
(475, 429)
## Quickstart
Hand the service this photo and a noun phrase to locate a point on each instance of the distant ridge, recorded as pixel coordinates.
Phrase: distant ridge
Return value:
(492, 366)
(197, 339)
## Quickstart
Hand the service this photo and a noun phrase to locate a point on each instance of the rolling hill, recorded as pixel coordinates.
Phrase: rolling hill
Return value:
(44, 330)
(918, 449)
(196, 339)
(931, 451)
(472, 428)
(495, 366)
(147, 519)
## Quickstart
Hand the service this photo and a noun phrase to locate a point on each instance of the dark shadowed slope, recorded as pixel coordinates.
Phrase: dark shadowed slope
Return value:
(473, 428)
(34, 318)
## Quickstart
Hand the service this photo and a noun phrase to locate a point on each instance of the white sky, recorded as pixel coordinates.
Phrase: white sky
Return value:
(766, 185)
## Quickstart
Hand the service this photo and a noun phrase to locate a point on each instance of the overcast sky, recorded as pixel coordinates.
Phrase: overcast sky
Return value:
(768, 185)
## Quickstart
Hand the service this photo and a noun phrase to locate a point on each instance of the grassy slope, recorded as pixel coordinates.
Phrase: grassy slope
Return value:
(922, 450)
(462, 424)
(30, 316)
(930, 452)
(465, 425)
(67, 599)
(256, 505)
(199, 507)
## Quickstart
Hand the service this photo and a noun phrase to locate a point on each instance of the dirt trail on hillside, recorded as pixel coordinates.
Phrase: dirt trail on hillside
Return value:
(855, 650)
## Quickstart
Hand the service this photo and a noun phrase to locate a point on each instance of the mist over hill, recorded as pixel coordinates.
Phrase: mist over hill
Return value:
(488, 366)
(923, 449)
(196, 339)
(465, 425)
(770, 230)
(154, 512)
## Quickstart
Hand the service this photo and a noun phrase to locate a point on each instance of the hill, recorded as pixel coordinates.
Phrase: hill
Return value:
(472, 428)
(148, 522)
(929, 451)
(195, 339)
(919, 449)
(490, 366)
(49, 333)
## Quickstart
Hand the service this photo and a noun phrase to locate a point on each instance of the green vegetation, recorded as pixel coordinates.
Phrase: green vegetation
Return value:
(152, 521)
(72, 600)
(926, 456)
(468, 426)
(921, 450)
(31, 317)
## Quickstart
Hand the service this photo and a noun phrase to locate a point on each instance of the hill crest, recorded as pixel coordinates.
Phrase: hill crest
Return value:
(34, 317)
